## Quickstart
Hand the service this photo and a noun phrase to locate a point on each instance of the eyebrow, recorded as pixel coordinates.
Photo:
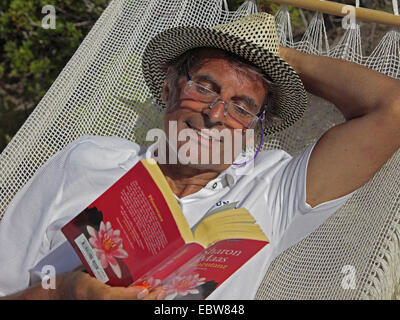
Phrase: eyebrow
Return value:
(254, 106)
(217, 88)
(207, 78)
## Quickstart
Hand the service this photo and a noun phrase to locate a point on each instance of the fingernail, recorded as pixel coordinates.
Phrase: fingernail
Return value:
(161, 295)
(142, 294)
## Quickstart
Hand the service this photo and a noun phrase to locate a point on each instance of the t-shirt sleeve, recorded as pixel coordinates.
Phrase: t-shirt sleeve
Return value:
(296, 219)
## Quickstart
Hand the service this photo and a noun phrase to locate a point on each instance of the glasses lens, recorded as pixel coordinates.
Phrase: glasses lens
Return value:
(241, 115)
(200, 93)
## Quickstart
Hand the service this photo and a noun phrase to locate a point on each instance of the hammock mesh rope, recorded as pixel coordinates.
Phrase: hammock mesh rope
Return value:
(101, 91)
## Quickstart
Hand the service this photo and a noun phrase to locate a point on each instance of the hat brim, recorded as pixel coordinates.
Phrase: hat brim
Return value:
(290, 98)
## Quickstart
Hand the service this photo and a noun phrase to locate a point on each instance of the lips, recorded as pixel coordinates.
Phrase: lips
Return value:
(206, 133)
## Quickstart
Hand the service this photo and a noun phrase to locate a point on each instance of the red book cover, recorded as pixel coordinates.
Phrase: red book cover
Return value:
(129, 229)
(135, 233)
(197, 278)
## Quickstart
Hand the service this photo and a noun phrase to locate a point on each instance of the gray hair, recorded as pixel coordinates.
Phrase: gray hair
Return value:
(194, 59)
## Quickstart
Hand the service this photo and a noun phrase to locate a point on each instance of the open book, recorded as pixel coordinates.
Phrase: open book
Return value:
(135, 233)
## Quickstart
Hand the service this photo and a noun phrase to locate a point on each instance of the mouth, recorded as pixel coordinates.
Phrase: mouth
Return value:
(206, 134)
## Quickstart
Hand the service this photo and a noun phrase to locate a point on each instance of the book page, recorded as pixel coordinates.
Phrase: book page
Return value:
(162, 184)
(229, 224)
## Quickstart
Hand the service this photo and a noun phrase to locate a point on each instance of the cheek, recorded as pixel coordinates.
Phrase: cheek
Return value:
(174, 120)
(173, 95)
(171, 114)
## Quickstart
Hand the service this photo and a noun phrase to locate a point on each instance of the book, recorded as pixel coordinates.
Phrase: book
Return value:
(136, 234)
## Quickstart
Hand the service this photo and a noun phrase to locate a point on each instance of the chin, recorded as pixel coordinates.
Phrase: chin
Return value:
(207, 167)
(199, 155)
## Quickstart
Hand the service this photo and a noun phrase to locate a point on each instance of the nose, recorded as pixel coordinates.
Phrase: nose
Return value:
(216, 111)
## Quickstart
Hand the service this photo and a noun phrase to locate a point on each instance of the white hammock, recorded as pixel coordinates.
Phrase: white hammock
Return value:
(101, 91)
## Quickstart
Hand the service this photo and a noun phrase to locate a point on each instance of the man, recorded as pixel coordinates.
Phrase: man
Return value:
(218, 78)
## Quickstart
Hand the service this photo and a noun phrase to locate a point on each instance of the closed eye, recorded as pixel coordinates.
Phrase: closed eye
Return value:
(246, 103)
(204, 90)
(207, 82)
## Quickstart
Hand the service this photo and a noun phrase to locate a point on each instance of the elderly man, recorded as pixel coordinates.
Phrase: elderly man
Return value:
(225, 78)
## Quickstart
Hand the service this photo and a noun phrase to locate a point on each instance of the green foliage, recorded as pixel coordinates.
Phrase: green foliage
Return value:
(11, 118)
(31, 57)
(272, 8)
(234, 4)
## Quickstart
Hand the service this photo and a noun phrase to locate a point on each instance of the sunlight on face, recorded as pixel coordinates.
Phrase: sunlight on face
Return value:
(206, 136)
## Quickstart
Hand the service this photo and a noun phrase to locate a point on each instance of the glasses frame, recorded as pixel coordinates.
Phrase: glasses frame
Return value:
(256, 117)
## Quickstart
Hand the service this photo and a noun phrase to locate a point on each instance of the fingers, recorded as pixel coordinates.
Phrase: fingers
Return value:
(283, 52)
(122, 293)
(156, 294)
(134, 293)
(81, 286)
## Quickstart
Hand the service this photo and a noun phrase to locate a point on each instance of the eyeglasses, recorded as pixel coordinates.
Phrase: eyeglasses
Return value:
(240, 113)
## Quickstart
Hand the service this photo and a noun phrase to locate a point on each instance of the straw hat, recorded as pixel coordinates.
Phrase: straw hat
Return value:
(253, 38)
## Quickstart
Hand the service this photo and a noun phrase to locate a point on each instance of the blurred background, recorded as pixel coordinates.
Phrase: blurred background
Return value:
(31, 57)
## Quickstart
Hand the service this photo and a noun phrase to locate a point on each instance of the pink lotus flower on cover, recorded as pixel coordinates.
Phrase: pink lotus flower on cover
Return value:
(107, 244)
(183, 285)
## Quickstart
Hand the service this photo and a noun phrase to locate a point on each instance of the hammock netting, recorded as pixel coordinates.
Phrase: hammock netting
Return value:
(101, 91)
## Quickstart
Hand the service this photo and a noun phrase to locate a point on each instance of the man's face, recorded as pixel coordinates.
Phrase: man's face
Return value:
(210, 127)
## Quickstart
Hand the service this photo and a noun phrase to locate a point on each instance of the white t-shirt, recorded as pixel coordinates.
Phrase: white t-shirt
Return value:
(272, 189)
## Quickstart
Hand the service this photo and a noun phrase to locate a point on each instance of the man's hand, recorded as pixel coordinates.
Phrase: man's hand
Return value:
(283, 52)
(78, 285)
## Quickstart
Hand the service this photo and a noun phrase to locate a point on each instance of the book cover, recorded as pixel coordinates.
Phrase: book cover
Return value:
(136, 234)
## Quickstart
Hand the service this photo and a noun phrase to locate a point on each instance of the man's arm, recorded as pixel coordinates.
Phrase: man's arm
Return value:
(348, 155)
